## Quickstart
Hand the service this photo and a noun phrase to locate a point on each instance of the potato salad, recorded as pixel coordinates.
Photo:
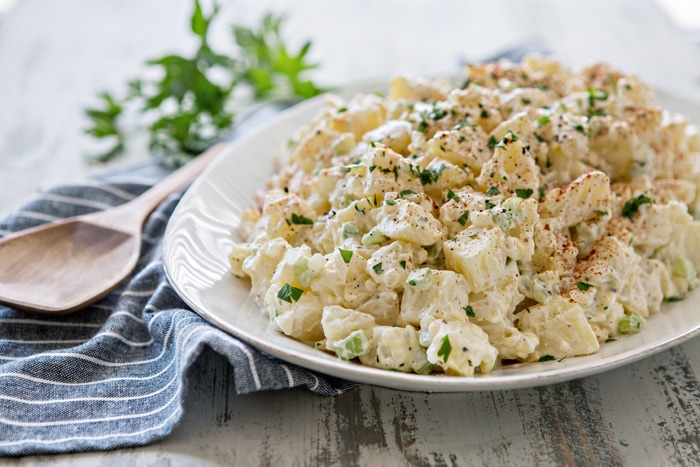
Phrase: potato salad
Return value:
(527, 213)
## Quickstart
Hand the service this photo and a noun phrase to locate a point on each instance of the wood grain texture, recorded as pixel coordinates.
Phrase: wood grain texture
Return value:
(647, 413)
(603, 420)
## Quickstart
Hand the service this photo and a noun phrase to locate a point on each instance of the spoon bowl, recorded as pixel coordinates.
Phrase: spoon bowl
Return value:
(62, 266)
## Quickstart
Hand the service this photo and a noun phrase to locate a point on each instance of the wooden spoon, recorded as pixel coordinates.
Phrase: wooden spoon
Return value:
(65, 265)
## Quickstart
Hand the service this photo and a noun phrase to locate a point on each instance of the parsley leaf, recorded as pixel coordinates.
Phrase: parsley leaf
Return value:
(289, 293)
(378, 268)
(299, 220)
(493, 191)
(427, 176)
(632, 205)
(445, 348)
(345, 254)
(469, 311)
(583, 286)
(546, 358)
(189, 103)
(463, 218)
(523, 193)
(492, 142)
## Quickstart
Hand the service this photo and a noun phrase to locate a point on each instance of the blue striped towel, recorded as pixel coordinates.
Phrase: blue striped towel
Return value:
(112, 375)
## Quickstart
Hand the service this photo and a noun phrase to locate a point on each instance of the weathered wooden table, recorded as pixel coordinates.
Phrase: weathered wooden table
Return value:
(54, 57)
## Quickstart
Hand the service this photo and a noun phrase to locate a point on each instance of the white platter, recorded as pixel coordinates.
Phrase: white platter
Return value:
(202, 229)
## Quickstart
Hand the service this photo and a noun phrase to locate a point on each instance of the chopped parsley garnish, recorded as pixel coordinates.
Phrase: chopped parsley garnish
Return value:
(377, 268)
(484, 114)
(407, 192)
(427, 176)
(543, 120)
(438, 114)
(445, 348)
(583, 286)
(673, 299)
(492, 142)
(493, 191)
(523, 193)
(600, 213)
(346, 254)
(539, 138)
(299, 220)
(390, 201)
(342, 109)
(372, 167)
(451, 194)
(289, 293)
(509, 137)
(463, 218)
(469, 311)
(403, 263)
(610, 339)
(632, 205)
(596, 95)
(579, 127)
(461, 124)
(489, 204)
(546, 358)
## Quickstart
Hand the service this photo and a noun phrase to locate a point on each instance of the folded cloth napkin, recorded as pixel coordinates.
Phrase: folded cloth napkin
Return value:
(112, 375)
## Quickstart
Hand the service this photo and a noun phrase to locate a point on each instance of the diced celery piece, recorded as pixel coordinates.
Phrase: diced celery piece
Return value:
(373, 237)
(631, 323)
(303, 274)
(682, 267)
(350, 229)
(352, 346)
(420, 279)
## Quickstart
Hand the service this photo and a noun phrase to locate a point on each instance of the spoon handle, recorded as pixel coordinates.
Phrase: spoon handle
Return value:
(143, 205)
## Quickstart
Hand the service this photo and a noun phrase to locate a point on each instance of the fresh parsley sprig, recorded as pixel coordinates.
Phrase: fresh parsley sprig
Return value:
(266, 63)
(189, 105)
